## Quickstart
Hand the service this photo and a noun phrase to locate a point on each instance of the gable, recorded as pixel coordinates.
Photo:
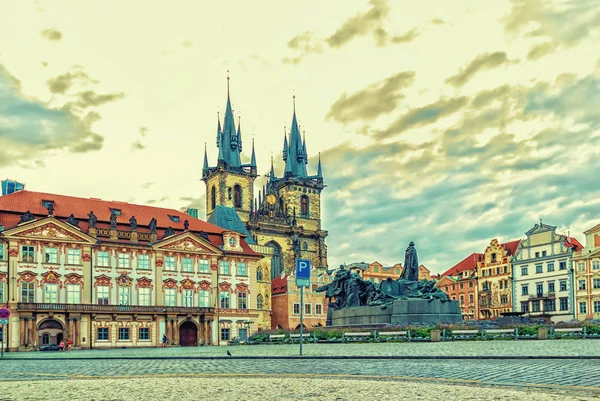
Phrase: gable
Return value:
(49, 229)
(188, 243)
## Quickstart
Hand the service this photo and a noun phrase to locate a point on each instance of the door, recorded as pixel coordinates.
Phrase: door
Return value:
(188, 334)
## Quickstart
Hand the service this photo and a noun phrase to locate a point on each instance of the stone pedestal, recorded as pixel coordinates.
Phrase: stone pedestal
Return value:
(435, 335)
(542, 333)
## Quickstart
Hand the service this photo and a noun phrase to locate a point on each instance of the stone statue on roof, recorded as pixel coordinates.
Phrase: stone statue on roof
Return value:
(50, 208)
(168, 232)
(133, 223)
(186, 225)
(113, 220)
(72, 220)
(92, 219)
(27, 216)
(152, 225)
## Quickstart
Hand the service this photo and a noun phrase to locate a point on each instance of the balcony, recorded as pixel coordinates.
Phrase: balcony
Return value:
(543, 295)
(46, 307)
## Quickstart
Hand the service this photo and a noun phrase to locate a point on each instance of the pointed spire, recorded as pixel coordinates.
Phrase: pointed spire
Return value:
(304, 147)
(205, 167)
(285, 144)
(253, 158)
(295, 165)
(239, 133)
(319, 169)
(229, 151)
(272, 173)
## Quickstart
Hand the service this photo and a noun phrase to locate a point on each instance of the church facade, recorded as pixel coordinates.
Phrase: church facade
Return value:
(285, 214)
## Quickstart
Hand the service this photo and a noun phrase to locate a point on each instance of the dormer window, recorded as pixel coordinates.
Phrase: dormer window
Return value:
(116, 212)
(493, 258)
(47, 203)
(232, 242)
(174, 219)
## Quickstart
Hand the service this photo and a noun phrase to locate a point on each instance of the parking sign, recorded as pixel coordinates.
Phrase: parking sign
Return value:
(302, 272)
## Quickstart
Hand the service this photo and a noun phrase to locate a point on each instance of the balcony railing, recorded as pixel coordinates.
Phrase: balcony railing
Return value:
(110, 308)
(542, 295)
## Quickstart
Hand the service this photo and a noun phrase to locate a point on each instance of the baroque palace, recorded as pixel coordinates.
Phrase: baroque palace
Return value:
(114, 274)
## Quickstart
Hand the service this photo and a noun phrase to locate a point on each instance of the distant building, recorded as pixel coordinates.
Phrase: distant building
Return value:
(192, 212)
(587, 276)
(460, 283)
(11, 186)
(542, 275)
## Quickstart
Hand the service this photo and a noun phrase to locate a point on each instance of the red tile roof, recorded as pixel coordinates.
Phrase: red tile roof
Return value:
(467, 264)
(279, 285)
(511, 246)
(571, 242)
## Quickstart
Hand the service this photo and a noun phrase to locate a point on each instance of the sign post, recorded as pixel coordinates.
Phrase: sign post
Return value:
(302, 280)
(4, 315)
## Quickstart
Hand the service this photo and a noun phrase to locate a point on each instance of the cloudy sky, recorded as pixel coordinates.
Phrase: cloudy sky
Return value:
(448, 123)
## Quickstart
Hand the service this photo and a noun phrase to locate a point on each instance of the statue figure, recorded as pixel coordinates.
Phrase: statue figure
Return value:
(353, 290)
(27, 216)
(296, 245)
(72, 220)
(113, 220)
(92, 219)
(133, 223)
(186, 225)
(411, 264)
(50, 209)
(152, 225)
(169, 231)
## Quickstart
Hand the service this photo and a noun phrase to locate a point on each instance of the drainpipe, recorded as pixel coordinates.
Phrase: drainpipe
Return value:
(92, 290)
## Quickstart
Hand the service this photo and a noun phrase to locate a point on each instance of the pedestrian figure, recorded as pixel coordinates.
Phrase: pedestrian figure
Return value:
(228, 353)
(69, 345)
(61, 346)
(164, 341)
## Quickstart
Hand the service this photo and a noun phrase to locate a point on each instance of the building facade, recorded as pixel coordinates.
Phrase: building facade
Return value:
(586, 263)
(460, 283)
(542, 275)
(85, 269)
(494, 273)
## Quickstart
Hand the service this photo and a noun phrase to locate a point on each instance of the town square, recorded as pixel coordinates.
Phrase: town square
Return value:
(372, 199)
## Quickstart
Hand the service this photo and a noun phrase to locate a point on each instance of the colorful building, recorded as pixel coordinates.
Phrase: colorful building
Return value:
(460, 283)
(377, 272)
(114, 274)
(542, 274)
(586, 263)
(494, 273)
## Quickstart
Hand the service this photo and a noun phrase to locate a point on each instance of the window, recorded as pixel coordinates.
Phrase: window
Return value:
(143, 262)
(549, 305)
(259, 301)
(28, 292)
(503, 299)
(187, 264)
(535, 306)
(73, 256)
(524, 289)
(102, 259)
(123, 333)
(296, 309)
(462, 300)
(170, 263)
(497, 270)
(471, 298)
(241, 300)
(539, 268)
(493, 258)
(550, 286)
(73, 293)
(204, 299)
(224, 297)
(204, 266)
(525, 306)
(225, 333)
(223, 267)
(596, 283)
(564, 303)
(243, 334)
(596, 306)
(539, 289)
(51, 293)
(581, 266)
(318, 309)
(581, 284)
(1, 250)
(305, 248)
(483, 273)
(213, 198)
(562, 265)
(551, 267)
(241, 269)
(102, 334)
(596, 265)
(124, 261)
(124, 295)
(50, 255)
(188, 298)
(144, 334)
(144, 296)
(524, 271)
(102, 293)
(583, 307)
(1, 292)
(537, 254)
(543, 254)
(501, 284)
(485, 286)
(307, 309)
(470, 284)
(170, 297)
(46, 203)
(116, 212)
(563, 285)
(259, 274)
(229, 193)
(27, 253)
(174, 219)
(505, 269)
(461, 286)
(237, 196)
(304, 205)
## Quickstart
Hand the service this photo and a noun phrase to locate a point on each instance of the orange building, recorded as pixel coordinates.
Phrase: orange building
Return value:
(378, 272)
(285, 302)
(460, 283)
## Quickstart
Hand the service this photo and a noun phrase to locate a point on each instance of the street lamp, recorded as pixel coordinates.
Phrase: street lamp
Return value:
(248, 323)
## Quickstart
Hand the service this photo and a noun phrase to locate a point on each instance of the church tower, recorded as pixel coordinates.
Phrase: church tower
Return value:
(230, 183)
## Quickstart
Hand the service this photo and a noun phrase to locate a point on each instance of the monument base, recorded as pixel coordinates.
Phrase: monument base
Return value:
(402, 311)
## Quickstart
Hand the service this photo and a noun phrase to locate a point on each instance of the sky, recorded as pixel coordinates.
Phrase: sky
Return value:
(446, 123)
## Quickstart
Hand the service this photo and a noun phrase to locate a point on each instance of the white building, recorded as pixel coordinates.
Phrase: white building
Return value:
(542, 275)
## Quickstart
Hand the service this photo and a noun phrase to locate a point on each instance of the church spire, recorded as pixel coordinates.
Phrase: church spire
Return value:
(285, 145)
(295, 165)
(304, 147)
(205, 167)
(272, 173)
(229, 151)
(239, 133)
(253, 158)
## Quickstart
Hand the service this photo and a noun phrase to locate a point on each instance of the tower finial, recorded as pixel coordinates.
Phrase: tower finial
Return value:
(227, 83)
(294, 102)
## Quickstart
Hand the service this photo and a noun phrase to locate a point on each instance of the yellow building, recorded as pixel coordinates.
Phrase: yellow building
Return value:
(586, 263)
(494, 273)
(85, 269)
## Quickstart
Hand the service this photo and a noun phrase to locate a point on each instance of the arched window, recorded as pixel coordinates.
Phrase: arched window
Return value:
(304, 205)
(213, 198)
(237, 195)
(45, 338)
(276, 265)
(266, 303)
(259, 302)
(259, 275)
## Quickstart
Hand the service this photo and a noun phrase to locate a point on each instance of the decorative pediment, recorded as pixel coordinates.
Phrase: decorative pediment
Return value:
(74, 278)
(169, 283)
(28, 277)
(144, 282)
(124, 280)
(188, 284)
(187, 244)
(225, 286)
(51, 277)
(103, 280)
(204, 285)
(50, 230)
(242, 287)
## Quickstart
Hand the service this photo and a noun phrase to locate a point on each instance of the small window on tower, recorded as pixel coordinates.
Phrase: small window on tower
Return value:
(213, 198)
(304, 205)
(237, 196)
(229, 193)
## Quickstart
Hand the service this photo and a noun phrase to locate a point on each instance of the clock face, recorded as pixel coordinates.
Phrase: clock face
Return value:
(271, 199)
(232, 242)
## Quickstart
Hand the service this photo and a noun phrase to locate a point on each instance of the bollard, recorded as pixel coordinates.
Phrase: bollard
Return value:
(543, 333)
(435, 336)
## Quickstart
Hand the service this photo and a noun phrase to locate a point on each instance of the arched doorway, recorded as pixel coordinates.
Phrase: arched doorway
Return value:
(50, 332)
(188, 334)
(276, 265)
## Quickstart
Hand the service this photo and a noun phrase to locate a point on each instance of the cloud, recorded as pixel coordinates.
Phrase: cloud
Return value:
(303, 44)
(51, 34)
(363, 24)
(484, 61)
(143, 131)
(438, 21)
(558, 24)
(31, 129)
(188, 44)
(137, 145)
(90, 98)
(62, 83)
(194, 203)
(407, 37)
(379, 98)
(147, 185)
(44, 64)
